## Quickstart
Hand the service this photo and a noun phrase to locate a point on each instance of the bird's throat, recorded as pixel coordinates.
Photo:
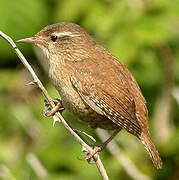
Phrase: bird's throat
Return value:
(45, 51)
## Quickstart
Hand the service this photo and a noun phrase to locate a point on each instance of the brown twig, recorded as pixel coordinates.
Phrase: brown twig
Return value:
(49, 100)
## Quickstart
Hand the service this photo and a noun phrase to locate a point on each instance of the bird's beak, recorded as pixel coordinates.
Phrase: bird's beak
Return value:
(28, 40)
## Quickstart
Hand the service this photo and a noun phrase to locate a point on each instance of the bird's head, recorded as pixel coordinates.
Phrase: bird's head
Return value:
(61, 38)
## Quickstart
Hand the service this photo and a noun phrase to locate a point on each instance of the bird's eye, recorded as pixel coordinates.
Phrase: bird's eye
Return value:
(53, 38)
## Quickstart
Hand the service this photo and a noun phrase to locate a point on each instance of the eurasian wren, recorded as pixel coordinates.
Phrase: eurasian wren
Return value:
(93, 84)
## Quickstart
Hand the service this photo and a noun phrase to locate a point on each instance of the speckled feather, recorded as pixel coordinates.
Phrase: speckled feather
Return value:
(107, 89)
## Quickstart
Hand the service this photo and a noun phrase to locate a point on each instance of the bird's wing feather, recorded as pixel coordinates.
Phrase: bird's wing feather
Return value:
(107, 94)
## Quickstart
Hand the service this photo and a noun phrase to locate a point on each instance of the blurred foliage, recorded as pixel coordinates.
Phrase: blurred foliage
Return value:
(142, 34)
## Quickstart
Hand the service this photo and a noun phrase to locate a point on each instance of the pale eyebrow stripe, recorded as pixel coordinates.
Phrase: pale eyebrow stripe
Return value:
(61, 34)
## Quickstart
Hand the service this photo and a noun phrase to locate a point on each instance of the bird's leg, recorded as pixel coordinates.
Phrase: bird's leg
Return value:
(99, 148)
(47, 112)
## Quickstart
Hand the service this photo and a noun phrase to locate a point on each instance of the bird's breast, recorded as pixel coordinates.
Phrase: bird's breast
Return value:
(60, 77)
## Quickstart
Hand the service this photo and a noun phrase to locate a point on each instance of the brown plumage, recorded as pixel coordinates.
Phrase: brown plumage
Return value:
(94, 85)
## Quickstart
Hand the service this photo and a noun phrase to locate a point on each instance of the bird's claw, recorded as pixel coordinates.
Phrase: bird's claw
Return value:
(47, 112)
(90, 155)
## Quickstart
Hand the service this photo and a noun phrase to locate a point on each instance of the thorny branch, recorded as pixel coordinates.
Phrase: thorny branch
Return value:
(57, 116)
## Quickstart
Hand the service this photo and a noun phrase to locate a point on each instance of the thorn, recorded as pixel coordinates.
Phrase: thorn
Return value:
(55, 119)
(31, 83)
(89, 136)
(84, 149)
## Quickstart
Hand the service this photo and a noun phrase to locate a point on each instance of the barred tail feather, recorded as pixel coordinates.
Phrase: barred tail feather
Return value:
(150, 147)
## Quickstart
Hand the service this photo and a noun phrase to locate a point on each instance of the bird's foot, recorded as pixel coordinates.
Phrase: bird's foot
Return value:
(96, 150)
(47, 112)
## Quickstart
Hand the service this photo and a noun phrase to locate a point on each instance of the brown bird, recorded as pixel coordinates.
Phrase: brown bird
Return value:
(93, 84)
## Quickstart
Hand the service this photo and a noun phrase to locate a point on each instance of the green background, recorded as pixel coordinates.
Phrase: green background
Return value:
(144, 35)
